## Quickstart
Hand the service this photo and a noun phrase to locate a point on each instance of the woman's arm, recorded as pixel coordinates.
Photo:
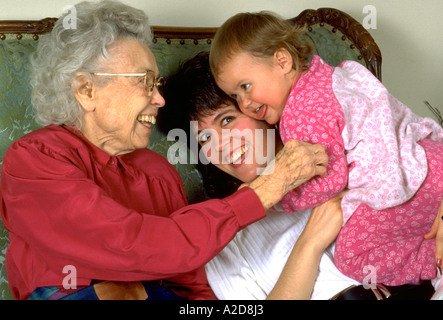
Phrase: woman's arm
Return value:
(297, 279)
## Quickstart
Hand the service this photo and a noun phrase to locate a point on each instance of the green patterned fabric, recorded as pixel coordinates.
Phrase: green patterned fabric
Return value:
(16, 118)
(170, 54)
(15, 114)
(331, 46)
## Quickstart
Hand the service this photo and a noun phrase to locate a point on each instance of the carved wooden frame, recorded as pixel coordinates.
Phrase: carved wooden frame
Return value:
(337, 19)
(37, 27)
(350, 28)
(27, 26)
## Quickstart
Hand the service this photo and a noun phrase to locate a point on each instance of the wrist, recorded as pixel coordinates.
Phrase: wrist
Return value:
(312, 242)
(267, 191)
(246, 207)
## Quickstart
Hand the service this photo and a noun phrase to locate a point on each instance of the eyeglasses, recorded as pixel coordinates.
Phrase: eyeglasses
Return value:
(149, 80)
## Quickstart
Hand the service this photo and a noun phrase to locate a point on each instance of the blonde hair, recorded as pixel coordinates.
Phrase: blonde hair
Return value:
(259, 34)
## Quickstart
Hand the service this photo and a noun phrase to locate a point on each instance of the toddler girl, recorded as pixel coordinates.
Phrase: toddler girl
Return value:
(390, 159)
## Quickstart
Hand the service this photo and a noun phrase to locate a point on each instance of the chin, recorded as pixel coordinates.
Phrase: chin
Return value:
(271, 121)
(248, 176)
(141, 143)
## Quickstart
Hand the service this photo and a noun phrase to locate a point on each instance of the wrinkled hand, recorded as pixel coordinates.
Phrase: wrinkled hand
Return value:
(436, 231)
(295, 164)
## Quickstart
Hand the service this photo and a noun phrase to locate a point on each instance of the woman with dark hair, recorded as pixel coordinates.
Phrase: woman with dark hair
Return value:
(279, 256)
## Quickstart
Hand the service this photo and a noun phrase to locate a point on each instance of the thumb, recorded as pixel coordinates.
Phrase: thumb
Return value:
(433, 231)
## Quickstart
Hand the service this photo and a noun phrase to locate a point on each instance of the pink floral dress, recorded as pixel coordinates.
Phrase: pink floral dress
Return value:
(390, 159)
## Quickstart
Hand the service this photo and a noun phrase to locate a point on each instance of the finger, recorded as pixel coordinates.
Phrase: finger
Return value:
(320, 170)
(318, 148)
(291, 144)
(322, 164)
(321, 157)
(439, 236)
(433, 231)
(439, 241)
(439, 247)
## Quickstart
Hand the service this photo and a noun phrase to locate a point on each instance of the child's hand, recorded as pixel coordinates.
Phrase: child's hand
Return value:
(437, 232)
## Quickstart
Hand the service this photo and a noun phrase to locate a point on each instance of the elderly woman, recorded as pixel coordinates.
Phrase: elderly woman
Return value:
(91, 212)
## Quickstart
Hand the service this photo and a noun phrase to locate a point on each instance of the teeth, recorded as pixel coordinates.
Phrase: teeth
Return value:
(238, 154)
(146, 118)
(256, 110)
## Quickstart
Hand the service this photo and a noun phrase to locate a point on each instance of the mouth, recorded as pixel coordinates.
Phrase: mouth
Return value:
(146, 120)
(238, 155)
(260, 112)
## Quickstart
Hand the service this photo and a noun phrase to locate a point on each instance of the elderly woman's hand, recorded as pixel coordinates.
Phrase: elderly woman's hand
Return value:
(295, 164)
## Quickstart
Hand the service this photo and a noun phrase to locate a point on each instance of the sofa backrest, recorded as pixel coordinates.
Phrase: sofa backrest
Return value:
(334, 35)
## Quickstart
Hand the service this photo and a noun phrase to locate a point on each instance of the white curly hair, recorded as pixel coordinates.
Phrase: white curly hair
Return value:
(66, 51)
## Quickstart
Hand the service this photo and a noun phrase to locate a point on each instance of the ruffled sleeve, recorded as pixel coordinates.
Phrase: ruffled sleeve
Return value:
(313, 115)
(387, 166)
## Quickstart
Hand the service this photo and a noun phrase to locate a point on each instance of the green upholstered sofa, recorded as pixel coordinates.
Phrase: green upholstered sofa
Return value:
(335, 36)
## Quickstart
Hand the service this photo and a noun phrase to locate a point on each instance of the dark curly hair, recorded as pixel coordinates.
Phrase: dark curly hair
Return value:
(190, 95)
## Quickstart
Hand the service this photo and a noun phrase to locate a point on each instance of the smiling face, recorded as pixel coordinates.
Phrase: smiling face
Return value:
(237, 144)
(261, 86)
(118, 115)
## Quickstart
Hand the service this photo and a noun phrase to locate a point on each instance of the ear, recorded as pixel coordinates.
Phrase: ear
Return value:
(84, 90)
(283, 59)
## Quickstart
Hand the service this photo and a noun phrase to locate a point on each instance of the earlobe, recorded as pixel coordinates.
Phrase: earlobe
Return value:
(83, 90)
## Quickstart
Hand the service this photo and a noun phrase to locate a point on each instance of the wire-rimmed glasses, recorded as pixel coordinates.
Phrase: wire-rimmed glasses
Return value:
(150, 81)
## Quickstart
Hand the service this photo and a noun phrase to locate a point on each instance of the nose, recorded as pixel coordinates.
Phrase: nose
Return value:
(157, 99)
(214, 149)
(244, 104)
(229, 141)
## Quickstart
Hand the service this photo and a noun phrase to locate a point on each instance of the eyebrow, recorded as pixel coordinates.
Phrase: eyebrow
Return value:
(216, 118)
(144, 70)
(155, 72)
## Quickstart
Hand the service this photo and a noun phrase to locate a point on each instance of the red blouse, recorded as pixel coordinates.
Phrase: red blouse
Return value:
(66, 202)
